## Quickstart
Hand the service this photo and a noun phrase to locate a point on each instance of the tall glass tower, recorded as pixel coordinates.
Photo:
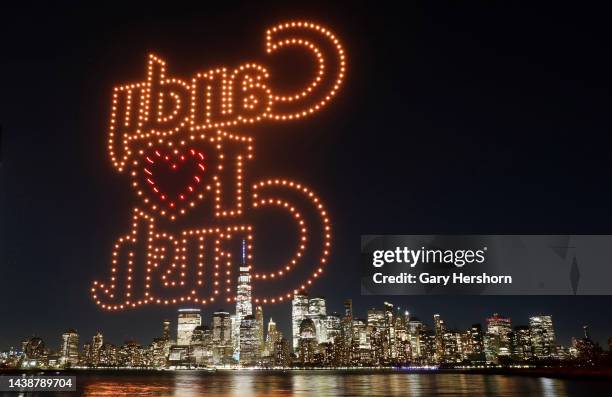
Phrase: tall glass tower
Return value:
(188, 320)
(244, 306)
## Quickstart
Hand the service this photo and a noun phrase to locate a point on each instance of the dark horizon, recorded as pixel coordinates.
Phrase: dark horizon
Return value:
(454, 119)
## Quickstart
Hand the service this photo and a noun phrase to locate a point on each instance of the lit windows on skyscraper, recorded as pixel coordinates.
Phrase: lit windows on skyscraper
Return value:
(250, 351)
(188, 320)
(299, 310)
(542, 336)
(69, 352)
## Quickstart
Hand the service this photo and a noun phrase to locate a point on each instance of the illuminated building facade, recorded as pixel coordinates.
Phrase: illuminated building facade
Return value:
(307, 344)
(497, 339)
(439, 329)
(34, 353)
(250, 347)
(273, 335)
(69, 351)
(259, 320)
(542, 336)
(222, 337)
(331, 328)
(299, 311)
(282, 353)
(244, 304)
(415, 331)
(166, 329)
(522, 348)
(201, 349)
(188, 320)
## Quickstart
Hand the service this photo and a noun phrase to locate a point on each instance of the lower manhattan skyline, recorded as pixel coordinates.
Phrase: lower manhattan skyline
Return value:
(318, 336)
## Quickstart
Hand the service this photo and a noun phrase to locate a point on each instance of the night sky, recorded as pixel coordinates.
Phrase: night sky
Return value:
(473, 118)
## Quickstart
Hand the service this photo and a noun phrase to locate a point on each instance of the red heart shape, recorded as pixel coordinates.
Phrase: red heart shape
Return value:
(174, 178)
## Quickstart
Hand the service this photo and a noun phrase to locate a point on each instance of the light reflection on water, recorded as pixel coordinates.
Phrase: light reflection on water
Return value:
(313, 383)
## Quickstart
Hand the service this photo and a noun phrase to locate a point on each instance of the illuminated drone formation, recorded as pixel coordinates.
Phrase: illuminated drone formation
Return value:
(167, 126)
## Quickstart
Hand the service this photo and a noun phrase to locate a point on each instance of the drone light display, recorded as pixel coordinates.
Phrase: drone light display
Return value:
(181, 143)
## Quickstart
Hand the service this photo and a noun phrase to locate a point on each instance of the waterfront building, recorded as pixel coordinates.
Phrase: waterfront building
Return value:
(307, 344)
(35, 354)
(166, 329)
(273, 336)
(522, 350)
(299, 311)
(542, 336)
(346, 327)
(244, 303)
(201, 349)
(451, 341)
(498, 337)
(415, 330)
(160, 347)
(109, 355)
(317, 312)
(316, 307)
(259, 319)
(179, 356)
(250, 352)
(188, 320)
(476, 351)
(333, 327)
(222, 337)
(133, 355)
(439, 330)
(69, 348)
(390, 342)
(221, 327)
(282, 355)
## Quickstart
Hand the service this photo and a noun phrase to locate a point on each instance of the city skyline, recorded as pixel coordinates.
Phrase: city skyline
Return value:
(494, 321)
(451, 121)
(387, 336)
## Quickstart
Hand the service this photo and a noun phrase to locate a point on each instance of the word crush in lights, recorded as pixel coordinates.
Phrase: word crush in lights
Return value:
(180, 143)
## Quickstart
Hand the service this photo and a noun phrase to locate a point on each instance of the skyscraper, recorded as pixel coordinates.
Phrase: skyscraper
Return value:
(348, 308)
(307, 344)
(317, 313)
(316, 306)
(188, 320)
(96, 347)
(244, 304)
(299, 310)
(69, 351)
(259, 320)
(542, 336)
(346, 330)
(332, 328)
(272, 337)
(250, 351)
(521, 343)
(415, 332)
(497, 341)
(439, 330)
(98, 341)
(222, 337)
(221, 327)
(166, 330)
